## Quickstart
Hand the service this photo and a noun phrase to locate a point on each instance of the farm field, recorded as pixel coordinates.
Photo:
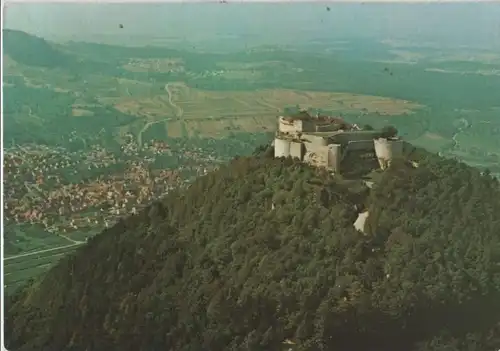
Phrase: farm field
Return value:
(215, 114)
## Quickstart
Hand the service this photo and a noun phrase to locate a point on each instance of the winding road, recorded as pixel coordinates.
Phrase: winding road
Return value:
(178, 115)
(146, 127)
(460, 130)
(71, 240)
(180, 112)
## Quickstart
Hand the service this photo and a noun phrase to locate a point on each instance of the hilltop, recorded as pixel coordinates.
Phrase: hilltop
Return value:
(36, 52)
(262, 255)
(32, 50)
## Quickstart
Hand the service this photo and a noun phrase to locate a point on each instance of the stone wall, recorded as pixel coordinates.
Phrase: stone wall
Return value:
(308, 126)
(360, 145)
(314, 139)
(334, 157)
(345, 137)
(327, 128)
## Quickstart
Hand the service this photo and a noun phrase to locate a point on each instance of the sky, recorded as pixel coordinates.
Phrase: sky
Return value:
(457, 24)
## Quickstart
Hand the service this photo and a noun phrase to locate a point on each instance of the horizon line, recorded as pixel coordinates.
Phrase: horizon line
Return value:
(227, 2)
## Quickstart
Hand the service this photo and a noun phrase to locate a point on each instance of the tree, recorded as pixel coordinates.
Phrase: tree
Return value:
(389, 132)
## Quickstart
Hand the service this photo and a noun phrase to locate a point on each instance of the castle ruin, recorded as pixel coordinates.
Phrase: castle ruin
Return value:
(325, 141)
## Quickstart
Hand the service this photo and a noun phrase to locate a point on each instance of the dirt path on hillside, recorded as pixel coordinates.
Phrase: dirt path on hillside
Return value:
(41, 251)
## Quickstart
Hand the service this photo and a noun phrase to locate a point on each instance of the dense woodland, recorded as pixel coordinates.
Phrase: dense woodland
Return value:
(262, 253)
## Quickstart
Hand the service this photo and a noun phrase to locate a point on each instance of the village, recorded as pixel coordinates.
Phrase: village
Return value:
(64, 192)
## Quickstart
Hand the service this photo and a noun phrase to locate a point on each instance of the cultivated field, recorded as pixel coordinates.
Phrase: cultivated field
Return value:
(215, 114)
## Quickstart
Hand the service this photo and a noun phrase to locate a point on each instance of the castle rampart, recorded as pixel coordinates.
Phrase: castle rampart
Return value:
(359, 145)
(327, 128)
(350, 136)
(314, 139)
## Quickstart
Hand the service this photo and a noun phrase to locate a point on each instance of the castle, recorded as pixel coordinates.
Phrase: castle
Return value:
(325, 141)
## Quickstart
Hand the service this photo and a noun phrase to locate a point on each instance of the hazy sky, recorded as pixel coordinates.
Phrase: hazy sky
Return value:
(458, 24)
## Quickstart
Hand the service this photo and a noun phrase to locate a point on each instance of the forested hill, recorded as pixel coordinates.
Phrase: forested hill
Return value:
(32, 50)
(218, 267)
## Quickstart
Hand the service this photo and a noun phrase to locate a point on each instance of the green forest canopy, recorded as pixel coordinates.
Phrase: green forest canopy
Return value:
(215, 267)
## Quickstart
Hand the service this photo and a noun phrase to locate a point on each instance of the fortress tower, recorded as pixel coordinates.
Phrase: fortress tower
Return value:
(334, 157)
(324, 141)
(387, 150)
(281, 147)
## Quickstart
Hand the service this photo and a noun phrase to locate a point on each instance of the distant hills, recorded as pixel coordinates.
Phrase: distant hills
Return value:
(262, 255)
(33, 51)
